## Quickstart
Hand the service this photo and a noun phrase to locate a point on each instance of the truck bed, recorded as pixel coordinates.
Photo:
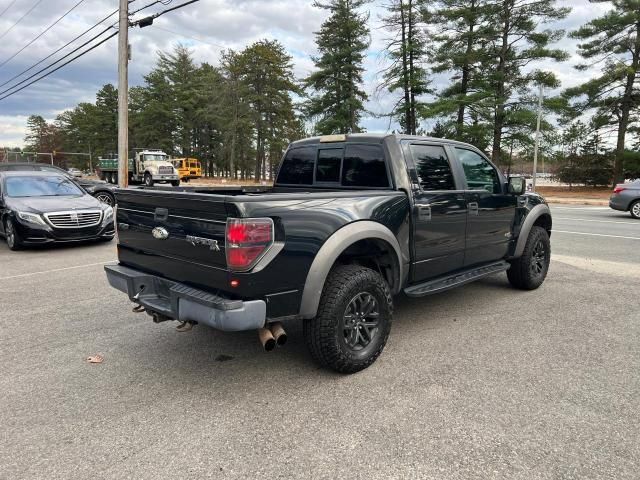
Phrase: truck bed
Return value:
(303, 220)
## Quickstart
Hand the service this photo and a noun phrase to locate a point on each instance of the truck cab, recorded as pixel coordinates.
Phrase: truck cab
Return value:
(153, 166)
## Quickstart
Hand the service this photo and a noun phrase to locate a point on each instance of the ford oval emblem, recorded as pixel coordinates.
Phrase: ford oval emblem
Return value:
(160, 233)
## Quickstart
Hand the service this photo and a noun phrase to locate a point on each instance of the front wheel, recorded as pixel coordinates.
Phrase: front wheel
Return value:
(106, 197)
(529, 271)
(12, 236)
(353, 321)
(148, 180)
(175, 183)
(634, 209)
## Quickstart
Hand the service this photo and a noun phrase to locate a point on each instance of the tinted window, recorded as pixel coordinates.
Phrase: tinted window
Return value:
(479, 172)
(432, 167)
(297, 166)
(364, 166)
(328, 165)
(40, 187)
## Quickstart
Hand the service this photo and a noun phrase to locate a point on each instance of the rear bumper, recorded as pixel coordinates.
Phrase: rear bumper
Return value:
(181, 302)
(618, 202)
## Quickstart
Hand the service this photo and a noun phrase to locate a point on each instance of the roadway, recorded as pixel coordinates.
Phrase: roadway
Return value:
(479, 382)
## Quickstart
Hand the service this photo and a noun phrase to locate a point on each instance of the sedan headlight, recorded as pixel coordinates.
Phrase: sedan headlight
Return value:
(107, 214)
(31, 218)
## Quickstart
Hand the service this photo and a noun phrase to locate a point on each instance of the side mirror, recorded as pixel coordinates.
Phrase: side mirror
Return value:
(517, 185)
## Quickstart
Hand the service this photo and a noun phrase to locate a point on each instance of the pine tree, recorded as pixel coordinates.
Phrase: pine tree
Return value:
(268, 77)
(614, 94)
(337, 98)
(516, 42)
(462, 31)
(406, 50)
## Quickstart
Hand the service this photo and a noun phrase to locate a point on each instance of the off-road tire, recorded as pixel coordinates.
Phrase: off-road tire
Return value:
(325, 334)
(11, 235)
(148, 180)
(634, 209)
(524, 273)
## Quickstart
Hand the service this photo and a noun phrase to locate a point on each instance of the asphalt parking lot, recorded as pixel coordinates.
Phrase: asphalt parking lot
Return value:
(479, 382)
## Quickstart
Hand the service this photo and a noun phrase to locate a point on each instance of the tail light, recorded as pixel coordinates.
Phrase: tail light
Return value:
(618, 189)
(246, 240)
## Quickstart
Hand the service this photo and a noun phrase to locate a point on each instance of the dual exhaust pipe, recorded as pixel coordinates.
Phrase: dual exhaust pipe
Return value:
(272, 336)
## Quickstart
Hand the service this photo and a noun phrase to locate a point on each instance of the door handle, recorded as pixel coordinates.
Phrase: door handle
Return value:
(473, 208)
(424, 212)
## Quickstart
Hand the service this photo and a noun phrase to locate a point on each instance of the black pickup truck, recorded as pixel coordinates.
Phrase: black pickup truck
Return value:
(350, 222)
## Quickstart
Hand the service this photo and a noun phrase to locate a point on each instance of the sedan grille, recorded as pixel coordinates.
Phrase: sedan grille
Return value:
(78, 219)
(164, 170)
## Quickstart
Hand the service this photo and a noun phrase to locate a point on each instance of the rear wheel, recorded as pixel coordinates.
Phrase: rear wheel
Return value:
(353, 320)
(12, 236)
(529, 271)
(634, 209)
(148, 180)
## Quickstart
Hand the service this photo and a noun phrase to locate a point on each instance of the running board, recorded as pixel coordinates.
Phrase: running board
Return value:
(455, 280)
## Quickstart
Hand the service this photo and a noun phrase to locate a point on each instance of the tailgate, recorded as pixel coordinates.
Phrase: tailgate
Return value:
(190, 227)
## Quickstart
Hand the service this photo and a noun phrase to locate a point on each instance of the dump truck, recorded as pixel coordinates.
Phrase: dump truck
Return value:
(147, 166)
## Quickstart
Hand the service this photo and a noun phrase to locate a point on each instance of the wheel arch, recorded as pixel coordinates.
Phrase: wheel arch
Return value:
(351, 244)
(538, 216)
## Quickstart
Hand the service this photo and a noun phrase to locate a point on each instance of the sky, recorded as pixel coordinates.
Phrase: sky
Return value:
(206, 28)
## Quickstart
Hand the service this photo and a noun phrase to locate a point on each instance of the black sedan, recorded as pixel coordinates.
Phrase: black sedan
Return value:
(100, 189)
(41, 207)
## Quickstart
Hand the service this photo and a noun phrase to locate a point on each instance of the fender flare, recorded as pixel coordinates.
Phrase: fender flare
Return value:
(533, 215)
(332, 249)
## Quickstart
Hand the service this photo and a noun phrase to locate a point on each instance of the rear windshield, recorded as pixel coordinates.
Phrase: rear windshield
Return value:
(50, 186)
(353, 165)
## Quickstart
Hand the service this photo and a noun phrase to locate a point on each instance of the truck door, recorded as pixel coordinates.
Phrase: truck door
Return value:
(439, 211)
(491, 209)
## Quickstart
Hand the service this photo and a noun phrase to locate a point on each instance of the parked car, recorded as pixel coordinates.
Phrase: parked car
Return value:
(74, 172)
(626, 198)
(98, 188)
(42, 207)
(350, 222)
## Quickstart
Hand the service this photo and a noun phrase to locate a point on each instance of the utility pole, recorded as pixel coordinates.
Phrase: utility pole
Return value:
(123, 95)
(535, 148)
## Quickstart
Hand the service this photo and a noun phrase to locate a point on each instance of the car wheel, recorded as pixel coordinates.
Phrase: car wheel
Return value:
(634, 209)
(106, 197)
(175, 183)
(353, 321)
(148, 180)
(529, 271)
(14, 242)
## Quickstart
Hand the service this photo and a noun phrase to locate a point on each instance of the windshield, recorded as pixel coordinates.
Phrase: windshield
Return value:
(50, 186)
(154, 158)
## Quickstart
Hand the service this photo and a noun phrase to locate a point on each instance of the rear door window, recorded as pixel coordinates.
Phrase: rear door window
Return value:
(364, 166)
(432, 167)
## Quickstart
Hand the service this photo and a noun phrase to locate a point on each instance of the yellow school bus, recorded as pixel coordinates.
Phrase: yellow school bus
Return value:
(188, 168)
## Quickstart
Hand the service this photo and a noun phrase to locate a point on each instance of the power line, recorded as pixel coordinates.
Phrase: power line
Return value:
(58, 68)
(61, 48)
(41, 34)
(188, 36)
(142, 23)
(7, 7)
(20, 19)
(54, 63)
